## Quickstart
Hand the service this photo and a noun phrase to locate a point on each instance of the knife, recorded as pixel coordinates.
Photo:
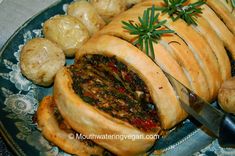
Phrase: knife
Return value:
(220, 124)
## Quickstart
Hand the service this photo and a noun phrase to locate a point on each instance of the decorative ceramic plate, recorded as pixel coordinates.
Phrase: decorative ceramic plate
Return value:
(19, 99)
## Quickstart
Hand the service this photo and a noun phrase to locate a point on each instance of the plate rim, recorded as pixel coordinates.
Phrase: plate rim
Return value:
(6, 137)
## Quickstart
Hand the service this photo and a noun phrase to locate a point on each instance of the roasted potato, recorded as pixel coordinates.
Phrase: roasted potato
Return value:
(87, 14)
(40, 59)
(67, 31)
(226, 96)
(107, 9)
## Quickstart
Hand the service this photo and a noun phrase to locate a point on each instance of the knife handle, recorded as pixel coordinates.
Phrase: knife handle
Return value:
(227, 131)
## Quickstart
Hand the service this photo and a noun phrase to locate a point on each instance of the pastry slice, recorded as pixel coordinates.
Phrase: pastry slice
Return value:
(210, 16)
(198, 45)
(57, 131)
(202, 52)
(222, 12)
(162, 56)
(220, 28)
(115, 27)
(184, 56)
(228, 5)
(167, 62)
(216, 45)
(207, 60)
(113, 88)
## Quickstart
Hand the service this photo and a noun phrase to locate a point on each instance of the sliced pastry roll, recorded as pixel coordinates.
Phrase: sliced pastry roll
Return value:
(228, 4)
(162, 56)
(217, 24)
(197, 45)
(220, 28)
(130, 3)
(115, 27)
(180, 50)
(55, 129)
(202, 52)
(116, 89)
(216, 45)
(223, 12)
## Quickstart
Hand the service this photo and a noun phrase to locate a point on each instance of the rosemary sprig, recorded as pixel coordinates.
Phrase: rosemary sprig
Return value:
(181, 9)
(148, 30)
(232, 3)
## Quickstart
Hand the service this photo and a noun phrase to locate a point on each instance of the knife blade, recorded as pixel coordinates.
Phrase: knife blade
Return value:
(220, 124)
(194, 105)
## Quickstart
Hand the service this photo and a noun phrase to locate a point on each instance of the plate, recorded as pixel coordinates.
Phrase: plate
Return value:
(19, 99)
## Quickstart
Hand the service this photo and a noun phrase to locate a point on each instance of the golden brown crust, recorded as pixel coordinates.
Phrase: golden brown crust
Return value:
(216, 45)
(148, 3)
(71, 106)
(91, 121)
(223, 13)
(220, 28)
(162, 56)
(202, 51)
(209, 15)
(228, 6)
(160, 89)
(169, 64)
(50, 130)
(130, 3)
(207, 61)
(180, 51)
(115, 27)
(200, 48)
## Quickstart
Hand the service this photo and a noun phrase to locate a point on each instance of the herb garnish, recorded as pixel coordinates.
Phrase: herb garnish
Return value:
(232, 3)
(181, 9)
(149, 30)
